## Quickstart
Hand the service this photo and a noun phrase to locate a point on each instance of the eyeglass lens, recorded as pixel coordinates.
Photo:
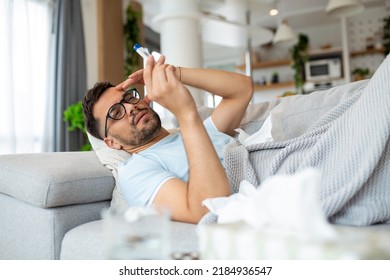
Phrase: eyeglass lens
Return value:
(117, 111)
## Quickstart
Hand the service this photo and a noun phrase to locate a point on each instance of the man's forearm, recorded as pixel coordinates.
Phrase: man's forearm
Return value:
(222, 83)
(235, 89)
(207, 177)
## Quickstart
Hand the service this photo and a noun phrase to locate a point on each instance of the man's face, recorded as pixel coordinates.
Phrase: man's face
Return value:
(139, 125)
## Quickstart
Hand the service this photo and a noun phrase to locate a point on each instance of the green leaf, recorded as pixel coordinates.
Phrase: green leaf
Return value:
(299, 57)
(73, 115)
(131, 37)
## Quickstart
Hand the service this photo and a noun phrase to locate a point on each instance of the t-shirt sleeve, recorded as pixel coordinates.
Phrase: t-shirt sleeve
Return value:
(219, 139)
(140, 178)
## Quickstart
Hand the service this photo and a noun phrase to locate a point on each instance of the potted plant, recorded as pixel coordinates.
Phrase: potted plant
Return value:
(73, 115)
(299, 56)
(275, 77)
(360, 73)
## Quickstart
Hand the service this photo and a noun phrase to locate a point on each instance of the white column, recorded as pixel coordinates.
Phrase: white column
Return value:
(236, 11)
(180, 38)
(346, 58)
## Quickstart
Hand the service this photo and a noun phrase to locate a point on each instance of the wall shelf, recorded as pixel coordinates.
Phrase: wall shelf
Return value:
(285, 62)
(325, 51)
(274, 86)
(270, 64)
(267, 64)
(369, 51)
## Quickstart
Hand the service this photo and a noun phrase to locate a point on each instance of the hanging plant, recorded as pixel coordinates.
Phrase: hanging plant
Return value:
(132, 36)
(299, 56)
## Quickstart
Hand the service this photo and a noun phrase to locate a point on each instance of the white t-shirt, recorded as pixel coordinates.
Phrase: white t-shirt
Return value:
(142, 175)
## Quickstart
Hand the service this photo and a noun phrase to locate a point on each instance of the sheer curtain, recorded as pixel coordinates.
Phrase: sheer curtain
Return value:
(24, 66)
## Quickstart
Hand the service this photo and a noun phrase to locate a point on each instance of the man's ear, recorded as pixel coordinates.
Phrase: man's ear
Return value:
(112, 143)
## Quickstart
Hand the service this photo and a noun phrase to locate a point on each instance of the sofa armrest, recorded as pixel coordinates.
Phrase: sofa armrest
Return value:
(55, 179)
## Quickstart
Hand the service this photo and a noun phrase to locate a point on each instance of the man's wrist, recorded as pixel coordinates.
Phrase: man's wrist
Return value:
(188, 116)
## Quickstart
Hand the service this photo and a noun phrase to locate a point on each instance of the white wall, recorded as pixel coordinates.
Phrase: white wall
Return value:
(360, 28)
(321, 35)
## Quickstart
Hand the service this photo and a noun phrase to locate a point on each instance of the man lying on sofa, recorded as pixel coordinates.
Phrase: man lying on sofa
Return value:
(342, 132)
(166, 169)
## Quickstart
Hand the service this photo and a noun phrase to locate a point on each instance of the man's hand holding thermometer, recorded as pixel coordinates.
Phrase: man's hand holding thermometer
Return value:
(137, 76)
(144, 53)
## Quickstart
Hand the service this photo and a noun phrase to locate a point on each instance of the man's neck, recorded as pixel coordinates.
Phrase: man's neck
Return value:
(160, 135)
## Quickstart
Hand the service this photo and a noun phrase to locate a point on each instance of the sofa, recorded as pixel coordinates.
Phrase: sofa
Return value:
(51, 206)
(51, 203)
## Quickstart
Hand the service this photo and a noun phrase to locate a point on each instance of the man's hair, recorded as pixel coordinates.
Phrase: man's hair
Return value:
(89, 100)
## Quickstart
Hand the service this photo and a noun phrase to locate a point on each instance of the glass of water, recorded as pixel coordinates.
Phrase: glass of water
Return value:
(137, 234)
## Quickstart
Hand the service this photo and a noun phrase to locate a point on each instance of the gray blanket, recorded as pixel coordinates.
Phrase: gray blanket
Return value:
(349, 145)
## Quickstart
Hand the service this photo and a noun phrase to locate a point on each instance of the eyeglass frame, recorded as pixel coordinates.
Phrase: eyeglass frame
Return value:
(137, 97)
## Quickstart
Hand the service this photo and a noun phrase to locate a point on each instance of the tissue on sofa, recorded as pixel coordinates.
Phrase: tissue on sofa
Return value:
(282, 219)
(283, 204)
(264, 134)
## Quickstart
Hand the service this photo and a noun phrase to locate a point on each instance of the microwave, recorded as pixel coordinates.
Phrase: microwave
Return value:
(323, 69)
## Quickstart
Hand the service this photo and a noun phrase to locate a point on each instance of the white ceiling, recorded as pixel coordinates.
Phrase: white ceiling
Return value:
(299, 13)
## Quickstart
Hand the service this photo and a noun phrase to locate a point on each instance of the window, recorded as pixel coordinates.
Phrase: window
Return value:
(24, 74)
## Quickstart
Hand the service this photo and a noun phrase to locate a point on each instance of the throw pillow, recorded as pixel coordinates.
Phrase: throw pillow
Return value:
(111, 158)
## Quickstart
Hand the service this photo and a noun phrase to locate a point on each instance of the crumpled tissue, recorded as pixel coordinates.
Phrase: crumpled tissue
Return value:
(264, 134)
(282, 204)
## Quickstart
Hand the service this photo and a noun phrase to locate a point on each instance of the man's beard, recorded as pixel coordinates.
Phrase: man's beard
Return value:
(137, 137)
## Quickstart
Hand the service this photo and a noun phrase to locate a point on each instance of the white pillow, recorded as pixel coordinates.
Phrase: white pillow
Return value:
(297, 114)
(111, 158)
(292, 116)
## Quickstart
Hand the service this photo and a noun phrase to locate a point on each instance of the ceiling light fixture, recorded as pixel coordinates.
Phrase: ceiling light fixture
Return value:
(344, 8)
(273, 12)
(284, 33)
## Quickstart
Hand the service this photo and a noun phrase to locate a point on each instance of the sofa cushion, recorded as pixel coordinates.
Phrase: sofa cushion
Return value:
(296, 114)
(184, 239)
(55, 179)
(292, 116)
(30, 232)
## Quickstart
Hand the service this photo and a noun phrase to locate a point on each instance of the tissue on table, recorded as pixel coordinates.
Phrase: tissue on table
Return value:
(282, 204)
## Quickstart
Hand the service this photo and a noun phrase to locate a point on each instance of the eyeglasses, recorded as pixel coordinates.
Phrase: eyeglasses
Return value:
(118, 110)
